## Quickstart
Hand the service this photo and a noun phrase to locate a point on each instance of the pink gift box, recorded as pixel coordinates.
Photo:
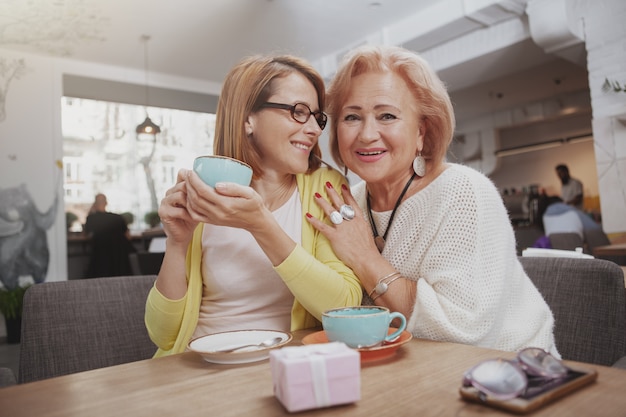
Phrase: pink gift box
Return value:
(316, 376)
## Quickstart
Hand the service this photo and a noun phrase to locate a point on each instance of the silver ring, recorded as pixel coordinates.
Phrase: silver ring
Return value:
(347, 212)
(335, 217)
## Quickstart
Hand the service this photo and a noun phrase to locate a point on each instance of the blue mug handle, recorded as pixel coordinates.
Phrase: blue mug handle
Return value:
(393, 336)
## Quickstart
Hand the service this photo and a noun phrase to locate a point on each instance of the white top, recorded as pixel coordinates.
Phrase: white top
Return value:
(455, 239)
(239, 283)
(571, 190)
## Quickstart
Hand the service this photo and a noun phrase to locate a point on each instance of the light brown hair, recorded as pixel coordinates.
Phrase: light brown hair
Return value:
(247, 86)
(431, 97)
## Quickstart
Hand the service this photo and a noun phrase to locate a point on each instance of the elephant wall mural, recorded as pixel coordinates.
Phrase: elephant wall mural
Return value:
(23, 241)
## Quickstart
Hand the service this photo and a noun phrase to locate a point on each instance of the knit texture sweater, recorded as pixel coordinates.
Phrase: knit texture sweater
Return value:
(312, 272)
(455, 240)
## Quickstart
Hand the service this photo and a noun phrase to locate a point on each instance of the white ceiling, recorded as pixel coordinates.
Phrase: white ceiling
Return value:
(202, 39)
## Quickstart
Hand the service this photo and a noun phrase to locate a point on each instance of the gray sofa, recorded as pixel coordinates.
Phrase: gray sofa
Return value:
(79, 325)
(588, 300)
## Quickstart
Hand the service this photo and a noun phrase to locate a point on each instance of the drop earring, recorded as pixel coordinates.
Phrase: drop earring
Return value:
(419, 165)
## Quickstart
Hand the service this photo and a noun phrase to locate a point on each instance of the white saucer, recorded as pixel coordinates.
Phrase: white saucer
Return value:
(207, 346)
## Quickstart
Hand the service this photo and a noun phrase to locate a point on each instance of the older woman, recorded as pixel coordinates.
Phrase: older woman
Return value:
(431, 239)
(244, 257)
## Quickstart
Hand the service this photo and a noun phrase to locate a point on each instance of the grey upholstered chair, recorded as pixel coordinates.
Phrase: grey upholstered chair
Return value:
(595, 238)
(7, 377)
(566, 241)
(588, 300)
(78, 325)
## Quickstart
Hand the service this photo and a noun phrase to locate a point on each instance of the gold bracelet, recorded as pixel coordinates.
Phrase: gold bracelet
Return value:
(381, 287)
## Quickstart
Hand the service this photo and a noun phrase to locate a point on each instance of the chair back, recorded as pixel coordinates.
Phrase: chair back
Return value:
(595, 238)
(566, 241)
(588, 300)
(78, 325)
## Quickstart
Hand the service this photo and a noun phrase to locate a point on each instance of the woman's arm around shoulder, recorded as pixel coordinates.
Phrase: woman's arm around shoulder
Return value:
(313, 272)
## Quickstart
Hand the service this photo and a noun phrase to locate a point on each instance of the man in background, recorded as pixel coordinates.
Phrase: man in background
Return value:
(110, 243)
(571, 188)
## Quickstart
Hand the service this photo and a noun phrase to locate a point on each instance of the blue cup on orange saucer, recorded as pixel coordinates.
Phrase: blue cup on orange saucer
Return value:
(361, 326)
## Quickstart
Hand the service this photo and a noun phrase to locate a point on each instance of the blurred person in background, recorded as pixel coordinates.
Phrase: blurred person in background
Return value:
(110, 241)
(571, 188)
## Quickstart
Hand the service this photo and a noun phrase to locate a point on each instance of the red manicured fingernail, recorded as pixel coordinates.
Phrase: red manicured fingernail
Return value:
(318, 195)
(328, 184)
(309, 215)
(344, 187)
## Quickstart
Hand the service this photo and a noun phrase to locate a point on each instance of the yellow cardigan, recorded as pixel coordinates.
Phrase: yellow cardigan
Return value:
(317, 278)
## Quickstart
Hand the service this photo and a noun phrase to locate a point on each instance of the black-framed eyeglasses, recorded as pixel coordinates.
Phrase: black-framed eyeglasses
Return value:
(300, 112)
(504, 379)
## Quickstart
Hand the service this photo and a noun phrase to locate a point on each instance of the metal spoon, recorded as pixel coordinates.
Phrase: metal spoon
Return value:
(263, 344)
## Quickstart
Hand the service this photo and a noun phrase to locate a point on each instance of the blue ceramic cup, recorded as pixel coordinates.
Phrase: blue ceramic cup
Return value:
(213, 168)
(361, 326)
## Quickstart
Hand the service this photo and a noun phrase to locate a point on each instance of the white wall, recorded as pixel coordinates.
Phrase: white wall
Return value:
(31, 139)
(606, 55)
(31, 145)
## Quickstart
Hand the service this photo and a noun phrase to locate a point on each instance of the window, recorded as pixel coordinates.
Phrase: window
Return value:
(101, 154)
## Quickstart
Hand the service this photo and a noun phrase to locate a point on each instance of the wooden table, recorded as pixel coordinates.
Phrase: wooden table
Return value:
(617, 249)
(422, 379)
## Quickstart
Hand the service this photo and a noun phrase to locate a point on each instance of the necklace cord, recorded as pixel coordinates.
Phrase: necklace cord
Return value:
(393, 213)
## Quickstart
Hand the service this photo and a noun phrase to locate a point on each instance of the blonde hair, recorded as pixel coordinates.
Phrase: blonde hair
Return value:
(431, 97)
(247, 87)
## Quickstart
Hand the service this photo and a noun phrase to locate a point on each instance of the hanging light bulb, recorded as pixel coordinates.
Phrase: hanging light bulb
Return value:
(147, 126)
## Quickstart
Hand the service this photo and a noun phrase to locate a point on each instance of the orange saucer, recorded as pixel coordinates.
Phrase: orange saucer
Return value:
(367, 354)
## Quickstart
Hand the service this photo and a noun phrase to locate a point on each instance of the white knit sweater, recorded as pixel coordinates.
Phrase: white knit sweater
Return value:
(455, 239)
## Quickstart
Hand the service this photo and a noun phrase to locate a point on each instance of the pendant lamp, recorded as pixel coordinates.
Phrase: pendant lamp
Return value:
(147, 127)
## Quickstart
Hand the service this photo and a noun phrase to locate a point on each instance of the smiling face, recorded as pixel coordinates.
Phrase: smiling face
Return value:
(378, 129)
(283, 143)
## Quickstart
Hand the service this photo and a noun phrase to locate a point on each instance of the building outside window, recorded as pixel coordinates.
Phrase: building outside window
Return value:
(102, 154)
